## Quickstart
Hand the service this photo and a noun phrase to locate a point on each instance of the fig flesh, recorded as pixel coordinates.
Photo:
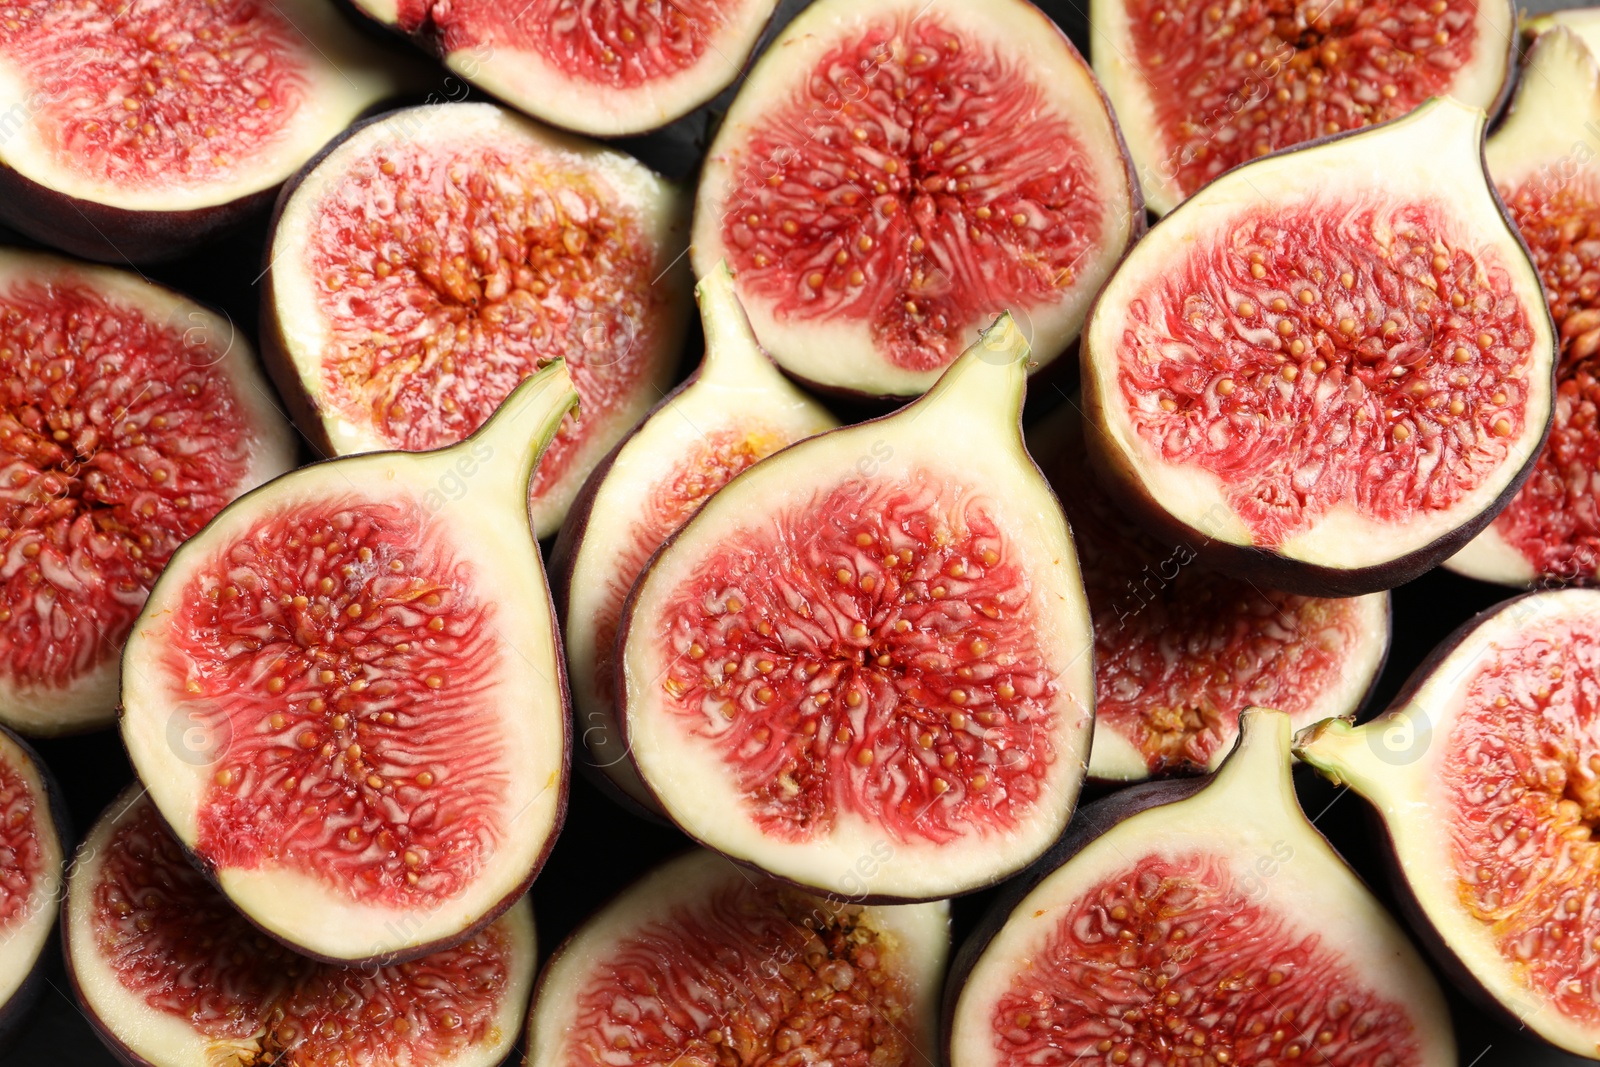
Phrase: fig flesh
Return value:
(874, 638)
(1330, 368)
(734, 410)
(1203, 921)
(171, 976)
(894, 173)
(31, 859)
(346, 694)
(700, 962)
(439, 255)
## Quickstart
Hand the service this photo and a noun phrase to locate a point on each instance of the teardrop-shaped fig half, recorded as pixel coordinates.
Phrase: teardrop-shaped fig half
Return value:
(346, 694)
(734, 410)
(1484, 774)
(875, 639)
(1181, 650)
(894, 173)
(1202, 87)
(439, 255)
(700, 962)
(170, 975)
(602, 67)
(139, 129)
(1330, 368)
(129, 415)
(1206, 916)
(31, 857)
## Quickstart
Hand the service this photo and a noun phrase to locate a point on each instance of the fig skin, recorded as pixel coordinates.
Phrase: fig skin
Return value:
(14, 1012)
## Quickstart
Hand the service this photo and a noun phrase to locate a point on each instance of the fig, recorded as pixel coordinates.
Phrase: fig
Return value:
(129, 415)
(346, 694)
(874, 639)
(607, 69)
(1330, 368)
(170, 975)
(894, 173)
(1483, 774)
(1201, 921)
(1201, 88)
(31, 856)
(137, 130)
(1181, 650)
(700, 962)
(734, 410)
(438, 255)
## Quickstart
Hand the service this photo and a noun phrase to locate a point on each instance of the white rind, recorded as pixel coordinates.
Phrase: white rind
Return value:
(1583, 22)
(23, 939)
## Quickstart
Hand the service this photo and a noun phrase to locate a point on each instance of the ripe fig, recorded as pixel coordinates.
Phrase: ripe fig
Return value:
(170, 975)
(1483, 772)
(129, 416)
(894, 173)
(346, 694)
(874, 639)
(31, 855)
(1201, 88)
(1581, 21)
(1181, 650)
(438, 255)
(1203, 921)
(1330, 368)
(607, 68)
(699, 962)
(140, 129)
(734, 410)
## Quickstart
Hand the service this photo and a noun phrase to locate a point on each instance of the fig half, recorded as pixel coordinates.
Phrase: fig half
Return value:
(1330, 368)
(734, 410)
(875, 639)
(31, 859)
(346, 694)
(1484, 773)
(1196, 922)
(894, 173)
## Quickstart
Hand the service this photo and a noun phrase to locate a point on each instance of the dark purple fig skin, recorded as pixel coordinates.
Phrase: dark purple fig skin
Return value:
(15, 1010)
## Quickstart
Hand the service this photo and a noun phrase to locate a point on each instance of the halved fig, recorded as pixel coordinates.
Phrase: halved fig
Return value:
(346, 694)
(1201, 88)
(878, 635)
(1583, 22)
(699, 962)
(140, 129)
(170, 975)
(734, 410)
(31, 857)
(1181, 650)
(1203, 921)
(1484, 772)
(894, 173)
(1330, 368)
(439, 255)
(608, 68)
(129, 416)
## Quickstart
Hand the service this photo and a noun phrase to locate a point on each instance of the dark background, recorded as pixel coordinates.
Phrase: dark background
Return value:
(602, 847)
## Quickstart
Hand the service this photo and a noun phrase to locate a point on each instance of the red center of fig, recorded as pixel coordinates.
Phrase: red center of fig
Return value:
(1336, 355)
(1232, 81)
(1174, 960)
(119, 440)
(339, 654)
(885, 667)
(21, 855)
(917, 180)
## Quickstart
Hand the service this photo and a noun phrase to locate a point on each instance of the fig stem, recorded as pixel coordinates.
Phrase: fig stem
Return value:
(729, 336)
(506, 450)
(991, 377)
(1261, 756)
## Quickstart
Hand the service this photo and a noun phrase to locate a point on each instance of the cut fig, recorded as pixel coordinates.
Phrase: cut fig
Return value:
(1329, 369)
(128, 417)
(894, 173)
(1180, 650)
(439, 255)
(877, 636)
(701, 963)
(1584, 22)
(346, 694)
(608, 68)
(1202, 922)
(734, 410)
(30, 874)
(1484, 773)
(140, 129)
(1201, 88)
(171, 976)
